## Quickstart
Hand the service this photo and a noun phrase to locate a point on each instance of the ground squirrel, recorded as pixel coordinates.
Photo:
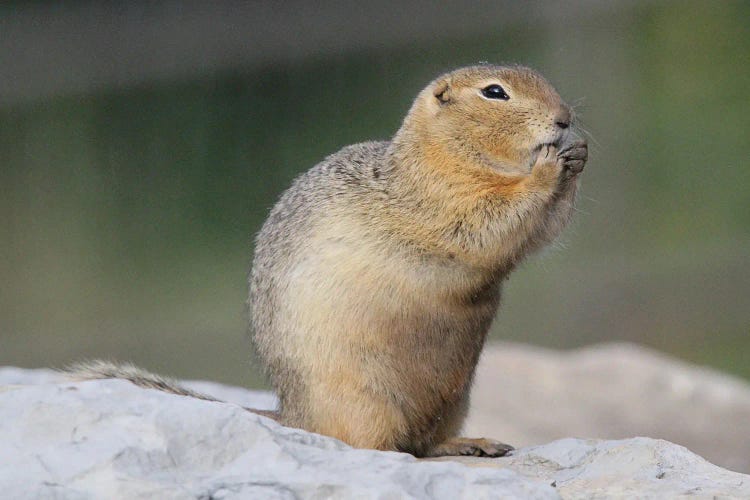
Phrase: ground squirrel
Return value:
(378, 273)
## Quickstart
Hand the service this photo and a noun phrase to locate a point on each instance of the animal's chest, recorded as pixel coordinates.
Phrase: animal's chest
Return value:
(377, 296)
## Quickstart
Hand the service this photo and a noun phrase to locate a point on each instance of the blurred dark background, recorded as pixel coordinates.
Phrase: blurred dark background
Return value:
(143, 143)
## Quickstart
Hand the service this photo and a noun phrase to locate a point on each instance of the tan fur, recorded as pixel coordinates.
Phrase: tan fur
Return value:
(100, 369)
(378, 273)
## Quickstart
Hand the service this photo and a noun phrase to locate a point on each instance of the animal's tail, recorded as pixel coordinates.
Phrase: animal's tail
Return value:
(99, 369)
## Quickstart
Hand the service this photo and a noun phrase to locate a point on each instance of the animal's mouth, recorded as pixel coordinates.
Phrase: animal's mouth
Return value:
(539, 148)
(544, 145)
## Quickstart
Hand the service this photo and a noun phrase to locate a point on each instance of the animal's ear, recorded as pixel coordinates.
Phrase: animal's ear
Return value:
(442, 91)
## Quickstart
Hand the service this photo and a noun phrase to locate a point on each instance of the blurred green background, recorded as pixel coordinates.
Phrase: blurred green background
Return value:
(142, 145)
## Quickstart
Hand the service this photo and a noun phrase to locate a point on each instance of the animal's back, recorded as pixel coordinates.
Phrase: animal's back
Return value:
(290, 242)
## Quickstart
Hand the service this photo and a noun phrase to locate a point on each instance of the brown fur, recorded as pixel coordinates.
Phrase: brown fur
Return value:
(377, 274)
(100, 369)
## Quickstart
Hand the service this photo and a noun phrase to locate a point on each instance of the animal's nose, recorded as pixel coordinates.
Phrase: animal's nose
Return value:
(562, 119)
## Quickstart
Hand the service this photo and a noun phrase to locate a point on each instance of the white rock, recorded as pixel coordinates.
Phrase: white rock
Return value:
(110, 439)
(526, 396)
(629, 468)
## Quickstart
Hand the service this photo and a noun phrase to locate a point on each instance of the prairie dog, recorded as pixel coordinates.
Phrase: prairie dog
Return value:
(378, 272)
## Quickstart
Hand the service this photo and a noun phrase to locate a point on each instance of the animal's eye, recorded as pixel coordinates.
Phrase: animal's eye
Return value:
(495, 91)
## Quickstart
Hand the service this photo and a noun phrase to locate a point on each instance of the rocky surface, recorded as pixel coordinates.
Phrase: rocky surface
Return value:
(528, 396)
(627, 468)
(110, 439)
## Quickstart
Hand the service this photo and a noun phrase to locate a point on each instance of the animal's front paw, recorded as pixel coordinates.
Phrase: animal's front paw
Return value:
(547, 168)
(459, 446)
(573, 158)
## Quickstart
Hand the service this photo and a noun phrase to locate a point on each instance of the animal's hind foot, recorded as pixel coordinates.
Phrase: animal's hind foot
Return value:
(459, 446)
